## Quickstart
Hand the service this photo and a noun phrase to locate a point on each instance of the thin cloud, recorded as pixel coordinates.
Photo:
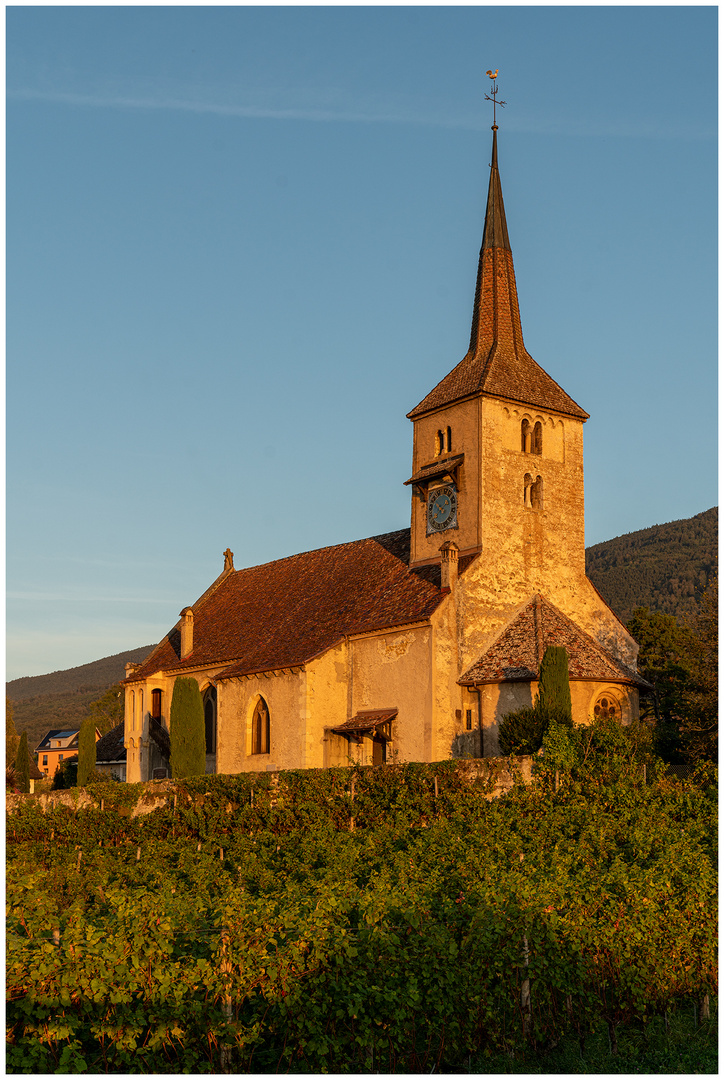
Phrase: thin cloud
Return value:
(536, 125)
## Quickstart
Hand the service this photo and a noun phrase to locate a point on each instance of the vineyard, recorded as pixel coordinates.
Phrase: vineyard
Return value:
(358, 919)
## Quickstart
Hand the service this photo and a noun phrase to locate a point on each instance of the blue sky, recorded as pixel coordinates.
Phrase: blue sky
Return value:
(242, 245)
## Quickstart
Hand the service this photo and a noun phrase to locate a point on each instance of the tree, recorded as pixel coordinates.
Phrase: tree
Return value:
(22, 765)
(700, 712)
(662, 660)
(12, 739)
(86, 752)
(107, 711)
(554, 690)
(188, 739)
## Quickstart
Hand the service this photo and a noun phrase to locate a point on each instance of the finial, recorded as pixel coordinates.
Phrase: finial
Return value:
(492, 75)
(228, 559)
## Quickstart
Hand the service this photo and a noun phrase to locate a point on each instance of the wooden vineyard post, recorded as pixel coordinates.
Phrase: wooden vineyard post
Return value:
(704, 1008)
(226, 1000)
(351, 795)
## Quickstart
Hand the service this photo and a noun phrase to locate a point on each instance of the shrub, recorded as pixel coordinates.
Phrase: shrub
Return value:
(188, 738)
(66, 775)
(522, 732)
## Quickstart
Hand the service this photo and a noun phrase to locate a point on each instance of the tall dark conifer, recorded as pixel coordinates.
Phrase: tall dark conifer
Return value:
(22, 765)
(554, 690)
(188, 740)
(86, 751)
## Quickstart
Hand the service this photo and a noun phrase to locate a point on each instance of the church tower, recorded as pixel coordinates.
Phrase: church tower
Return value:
(498, 445)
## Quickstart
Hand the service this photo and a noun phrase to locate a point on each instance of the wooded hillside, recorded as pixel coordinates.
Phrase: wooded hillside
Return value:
(665, 568)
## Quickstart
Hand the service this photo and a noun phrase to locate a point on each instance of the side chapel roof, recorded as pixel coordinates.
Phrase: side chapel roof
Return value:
(110, 747)
(286, 612)
(497, 363)
(516, 654)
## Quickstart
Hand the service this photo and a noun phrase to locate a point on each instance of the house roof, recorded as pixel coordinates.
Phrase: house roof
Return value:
(110, 748)
(497, 363)
(284, 613)
(56, 733)
(516, 654)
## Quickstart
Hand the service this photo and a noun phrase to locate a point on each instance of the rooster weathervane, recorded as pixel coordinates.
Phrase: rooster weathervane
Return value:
(492, 75)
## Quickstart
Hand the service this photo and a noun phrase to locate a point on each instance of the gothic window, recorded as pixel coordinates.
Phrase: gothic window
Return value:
(449, 439)
(210, 719)
(607, 707)
(260, 728)
(525, 437)
(156, 704)
(538, 438)
(536, 494)
(527, 485)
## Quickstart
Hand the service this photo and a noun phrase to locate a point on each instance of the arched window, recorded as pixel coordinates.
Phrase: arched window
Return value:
(527, 485)
(536, 494)
(525, 437)
(607, 707)
(156, 696)
(449, 439)
(133, 710)
(439, 443)
(210, 719)
(538, 438)
(260, 728)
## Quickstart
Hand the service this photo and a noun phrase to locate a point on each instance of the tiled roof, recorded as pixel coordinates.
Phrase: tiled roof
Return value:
(110, 746)
(516, 655)
(283, 613)
(367, 720)
(497, 362)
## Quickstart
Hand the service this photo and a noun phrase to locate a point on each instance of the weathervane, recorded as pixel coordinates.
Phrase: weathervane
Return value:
(492, 75)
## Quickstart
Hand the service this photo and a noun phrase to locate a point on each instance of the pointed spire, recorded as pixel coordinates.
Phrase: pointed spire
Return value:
(497, 363)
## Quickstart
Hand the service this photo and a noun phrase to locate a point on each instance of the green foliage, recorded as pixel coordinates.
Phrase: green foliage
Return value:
(522, 732)
(357, 922)
(12, 739)
(188, 740)
(22, 765)
(665, 568)
(66, 775)
(108, 710)
(554, 691)
(700, 720)
(86, 752)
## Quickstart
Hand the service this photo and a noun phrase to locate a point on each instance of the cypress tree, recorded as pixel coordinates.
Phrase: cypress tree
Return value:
(86, 751)
(22, 765)
(188, 737)
(554, 690)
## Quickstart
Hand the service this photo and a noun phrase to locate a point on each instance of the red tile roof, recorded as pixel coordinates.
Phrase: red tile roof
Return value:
(284, 613)
(366, 720)
(497, 363)
(516, 655)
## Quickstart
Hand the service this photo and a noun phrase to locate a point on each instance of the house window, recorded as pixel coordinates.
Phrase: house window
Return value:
(45, 759)
(606, 708)
(60, 758)
(156, 704)
(260, 728)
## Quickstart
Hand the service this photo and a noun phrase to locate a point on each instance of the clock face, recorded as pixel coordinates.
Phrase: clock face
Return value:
(442, 509)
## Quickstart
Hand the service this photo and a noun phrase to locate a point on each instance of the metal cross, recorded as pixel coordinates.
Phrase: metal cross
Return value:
(492, 75)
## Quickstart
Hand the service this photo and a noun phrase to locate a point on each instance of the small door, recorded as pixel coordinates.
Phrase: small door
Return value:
(379, 750)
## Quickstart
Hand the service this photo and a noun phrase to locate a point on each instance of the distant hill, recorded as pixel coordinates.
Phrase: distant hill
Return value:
(61, 699)
(665, 568)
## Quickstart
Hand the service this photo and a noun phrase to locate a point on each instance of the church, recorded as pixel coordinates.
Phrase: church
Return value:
(411, 646)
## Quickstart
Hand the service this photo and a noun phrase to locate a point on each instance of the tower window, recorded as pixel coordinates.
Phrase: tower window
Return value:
(260, 728)
(525, 437)
(449, 439)
(536, 494)
(527, 485)
(538, 438)
(439, 443)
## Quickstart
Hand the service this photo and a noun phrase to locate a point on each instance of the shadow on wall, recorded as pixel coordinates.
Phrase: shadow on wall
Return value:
(466, 744)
